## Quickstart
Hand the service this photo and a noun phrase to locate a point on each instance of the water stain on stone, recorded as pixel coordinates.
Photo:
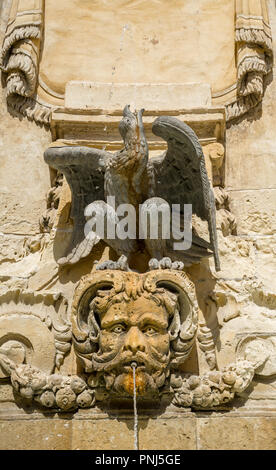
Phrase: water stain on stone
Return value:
(140, 383)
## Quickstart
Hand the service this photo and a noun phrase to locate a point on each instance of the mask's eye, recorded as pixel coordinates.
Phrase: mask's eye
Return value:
(118, 329)
(149, 330)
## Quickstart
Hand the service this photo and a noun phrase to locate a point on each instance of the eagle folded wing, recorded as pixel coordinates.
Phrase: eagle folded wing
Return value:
(84, 169)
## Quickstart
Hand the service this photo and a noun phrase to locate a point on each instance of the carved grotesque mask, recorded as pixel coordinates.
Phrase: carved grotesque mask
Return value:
(147, 319)
(134, 330)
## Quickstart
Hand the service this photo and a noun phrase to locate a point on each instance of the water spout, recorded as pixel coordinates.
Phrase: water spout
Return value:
(136, 446)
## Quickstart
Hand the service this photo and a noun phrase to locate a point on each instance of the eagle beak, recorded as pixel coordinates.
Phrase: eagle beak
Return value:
(127, 112)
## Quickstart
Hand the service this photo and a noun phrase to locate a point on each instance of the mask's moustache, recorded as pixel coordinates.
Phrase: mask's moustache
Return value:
(112, 360)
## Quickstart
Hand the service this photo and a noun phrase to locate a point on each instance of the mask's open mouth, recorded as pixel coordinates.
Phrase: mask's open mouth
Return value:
(139, 365)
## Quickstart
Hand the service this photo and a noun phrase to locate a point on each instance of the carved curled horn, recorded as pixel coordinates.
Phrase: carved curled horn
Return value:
(178, 282)
(86, 291)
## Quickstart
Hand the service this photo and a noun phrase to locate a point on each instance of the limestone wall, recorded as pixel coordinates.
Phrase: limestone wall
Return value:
(237, 301)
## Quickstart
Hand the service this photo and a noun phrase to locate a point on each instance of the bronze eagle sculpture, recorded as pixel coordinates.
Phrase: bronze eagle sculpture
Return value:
(178, 176)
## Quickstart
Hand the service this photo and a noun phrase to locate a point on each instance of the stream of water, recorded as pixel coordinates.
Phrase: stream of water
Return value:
(136, 445)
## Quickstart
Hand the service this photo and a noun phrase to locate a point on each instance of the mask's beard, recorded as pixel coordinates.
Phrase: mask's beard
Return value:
(151, 372)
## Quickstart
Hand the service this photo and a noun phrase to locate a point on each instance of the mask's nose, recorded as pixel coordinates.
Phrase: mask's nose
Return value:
(134, 341)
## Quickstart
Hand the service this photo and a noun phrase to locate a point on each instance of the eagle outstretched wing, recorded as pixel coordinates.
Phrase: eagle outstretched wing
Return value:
(84, 169)
(179, 176)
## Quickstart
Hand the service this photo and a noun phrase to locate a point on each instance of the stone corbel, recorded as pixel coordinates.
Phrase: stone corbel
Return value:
(214, 154)
(20, 59)
(214, 158)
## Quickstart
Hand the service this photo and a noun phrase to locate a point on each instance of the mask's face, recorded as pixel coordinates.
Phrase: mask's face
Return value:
(134, 331)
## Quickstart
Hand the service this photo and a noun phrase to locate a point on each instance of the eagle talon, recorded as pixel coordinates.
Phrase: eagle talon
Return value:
(165, 263)
(178, 265)
(106, 265)
(153, 264)
(121, 265)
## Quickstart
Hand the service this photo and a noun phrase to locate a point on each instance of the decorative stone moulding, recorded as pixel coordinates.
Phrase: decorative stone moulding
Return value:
(28, 92)
(93, 111)
(120, 318)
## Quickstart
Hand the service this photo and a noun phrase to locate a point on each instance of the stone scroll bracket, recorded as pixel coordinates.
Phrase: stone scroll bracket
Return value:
(19, 60)
(254, 56)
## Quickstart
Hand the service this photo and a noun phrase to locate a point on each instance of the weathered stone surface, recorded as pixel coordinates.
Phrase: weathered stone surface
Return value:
(114, 435)
(254, 211)
(35, 434)
(11, 248)
(222, 432)
(27, 330)
(175, 433)
(172, 433)
(232, 248)
(236, 433)
(139, 51)
(265, 249)
(90, 95)
(24, 179)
